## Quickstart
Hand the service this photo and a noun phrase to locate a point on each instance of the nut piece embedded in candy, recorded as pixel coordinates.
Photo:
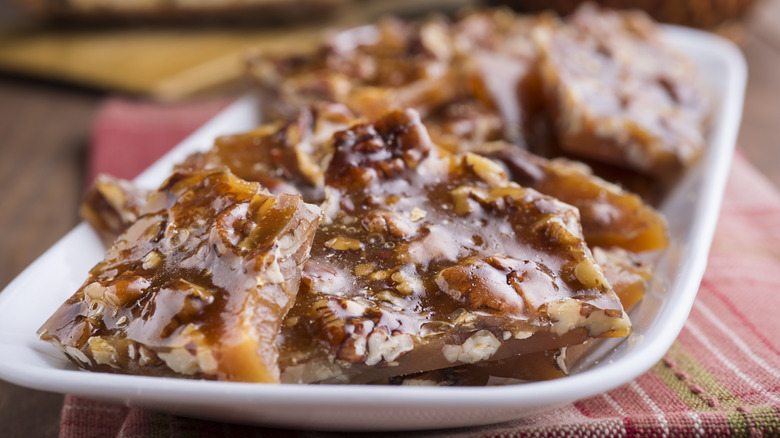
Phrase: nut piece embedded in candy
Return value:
(198, 286)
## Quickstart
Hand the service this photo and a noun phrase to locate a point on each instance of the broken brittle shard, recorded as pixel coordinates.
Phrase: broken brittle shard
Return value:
(427, 260)
(618, 94)
(601, 85)
(610, 215)
(285, 157)
(469, 79)
(196, 287)
(111, 205)
(371, 69)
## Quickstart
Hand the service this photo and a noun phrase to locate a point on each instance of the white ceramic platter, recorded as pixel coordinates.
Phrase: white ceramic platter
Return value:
(692, 211)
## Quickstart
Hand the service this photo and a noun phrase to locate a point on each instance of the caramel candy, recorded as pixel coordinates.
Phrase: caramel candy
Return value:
(196, 287)
(429, 260)
(629, 279)
(111, 205)
(285, 157)
(627, 274)
(371, 69)
(618, 94)
(469, 77)
(464, 125)
(610, 215)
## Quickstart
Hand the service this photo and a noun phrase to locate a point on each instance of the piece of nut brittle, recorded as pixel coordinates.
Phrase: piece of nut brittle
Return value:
(111, 205)
(610, 215)
(196, 287)
(285, 157)
(627, 273)
(427, 260)
(371, 69)
(618, 94)
(477, 66)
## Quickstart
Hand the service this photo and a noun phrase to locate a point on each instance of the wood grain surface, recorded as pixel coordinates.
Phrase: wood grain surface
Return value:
(44, 129)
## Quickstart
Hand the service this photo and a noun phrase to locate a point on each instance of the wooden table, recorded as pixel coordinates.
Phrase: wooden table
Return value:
(44, 131)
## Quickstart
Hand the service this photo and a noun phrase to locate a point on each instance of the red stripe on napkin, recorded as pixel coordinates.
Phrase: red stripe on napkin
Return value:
(128, 136)
(720, 378)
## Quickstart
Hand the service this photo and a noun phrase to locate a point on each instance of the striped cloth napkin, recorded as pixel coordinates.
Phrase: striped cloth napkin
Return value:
(720, 378)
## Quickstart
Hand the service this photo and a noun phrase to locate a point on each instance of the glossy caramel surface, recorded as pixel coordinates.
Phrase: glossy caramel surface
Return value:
(285, 157)
(111, 205)
(421, 249)
(197, 286)
(610, 215)
(619, 95)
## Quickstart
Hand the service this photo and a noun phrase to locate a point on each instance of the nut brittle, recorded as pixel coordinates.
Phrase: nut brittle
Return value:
(196, 287)
(427, 260)
(111, 205)
(618, 94)
(480, 65)
(610, 215)
(371, 69)
(285, 157)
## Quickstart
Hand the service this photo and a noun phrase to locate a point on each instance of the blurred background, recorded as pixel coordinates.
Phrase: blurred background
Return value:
(62, 60)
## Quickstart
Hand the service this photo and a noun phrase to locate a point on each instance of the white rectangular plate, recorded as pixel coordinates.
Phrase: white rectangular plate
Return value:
(692, 211)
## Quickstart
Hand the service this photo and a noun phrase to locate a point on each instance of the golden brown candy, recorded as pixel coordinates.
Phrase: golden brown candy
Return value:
(111, 205)
(371, 69)
(610, 215)
(285, 157)
(627, 274)
(196, 287)
(472, 77)
(618, 94)
(427, 260)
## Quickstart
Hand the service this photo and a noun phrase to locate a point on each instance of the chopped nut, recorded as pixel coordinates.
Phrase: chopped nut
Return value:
(180, 360)
(206, 361)
(77, 354)
(522, 334)
(487, 169)
(96, 309)
(405, 283)
(387, 222)
(103, 352)
(152, 260)
(93, 291)
(482, 345)
(560, 360)
(147, 357)
(364, 269)
(417, 214)
(590, 274)
(387, 348)
(569, 314)
(342, 243)
(379, 275)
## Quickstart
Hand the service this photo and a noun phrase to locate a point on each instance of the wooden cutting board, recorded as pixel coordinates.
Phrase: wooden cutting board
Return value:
(169, 64)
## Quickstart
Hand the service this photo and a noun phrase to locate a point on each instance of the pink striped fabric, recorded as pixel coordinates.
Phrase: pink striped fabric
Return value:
(720, 378)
